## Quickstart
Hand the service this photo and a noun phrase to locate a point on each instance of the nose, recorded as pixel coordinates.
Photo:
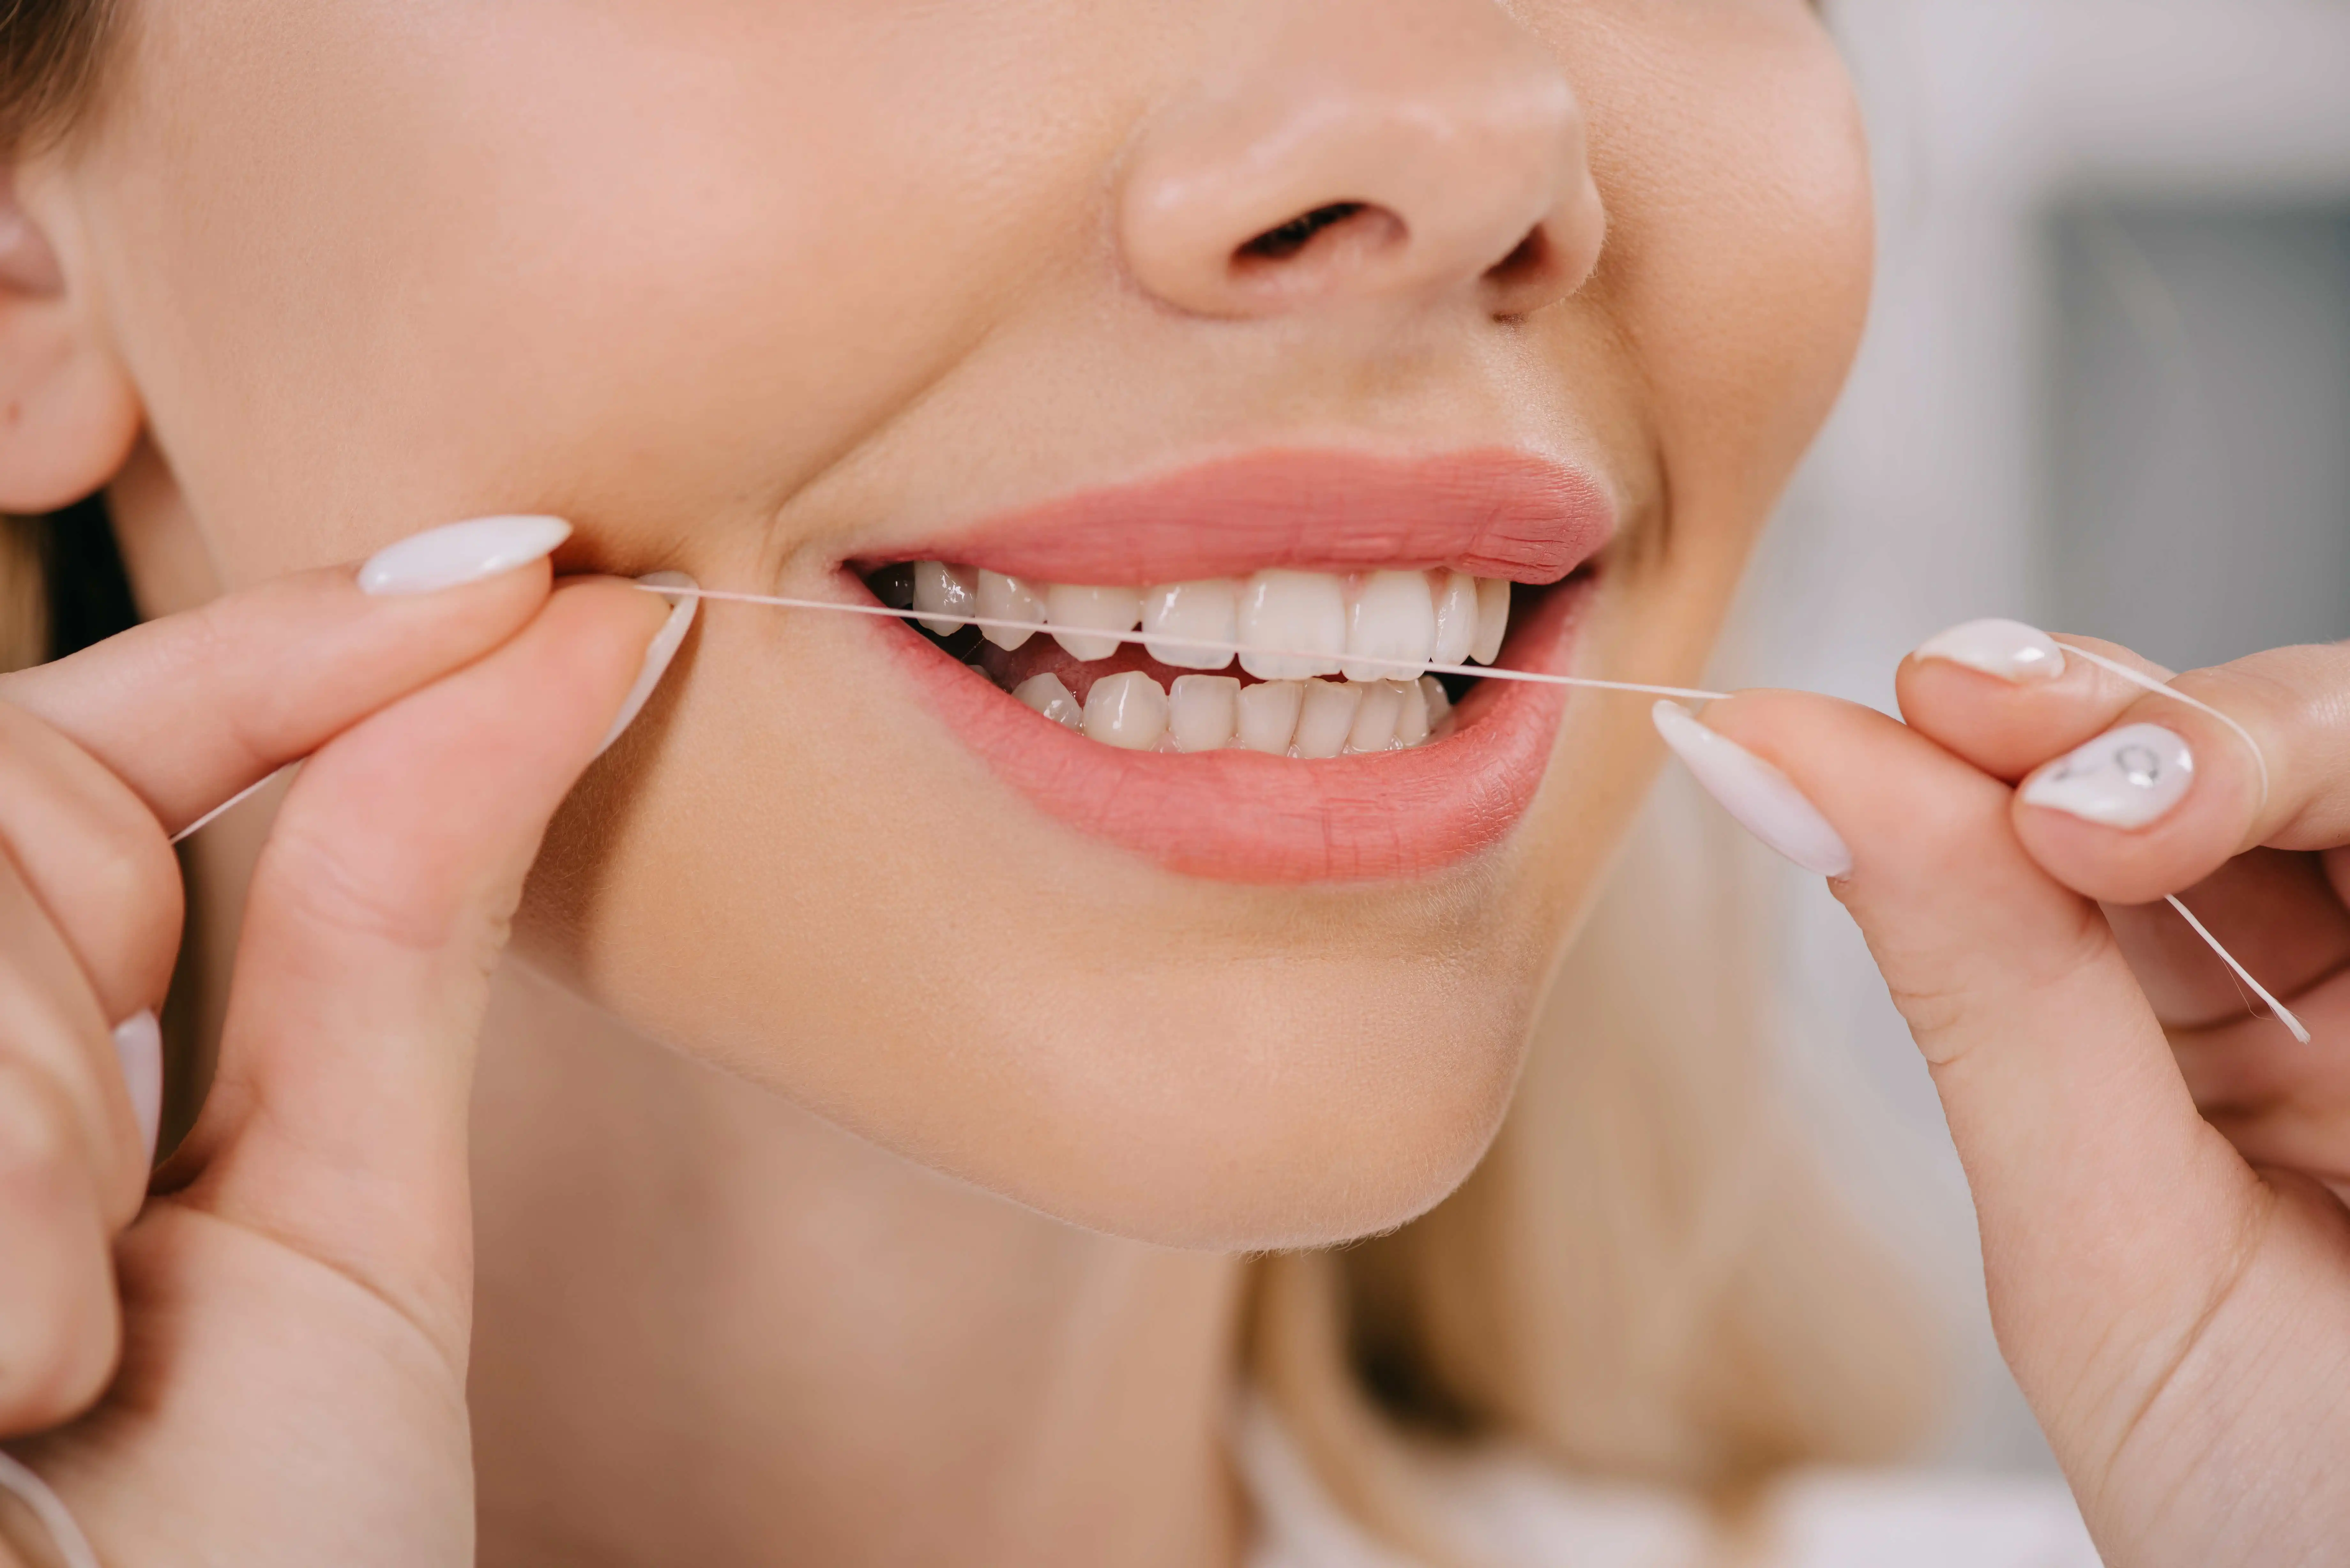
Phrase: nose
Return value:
(1334, 150)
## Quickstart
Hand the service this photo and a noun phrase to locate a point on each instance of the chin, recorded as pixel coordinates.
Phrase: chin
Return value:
(1282, 1112)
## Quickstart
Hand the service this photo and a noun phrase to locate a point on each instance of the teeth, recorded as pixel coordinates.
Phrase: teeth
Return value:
(1208, 611)
(1374, 628)
(1008, 599)
(1411, 711)
(1049, 697)
(1376, 718)
(1268, 715)
(1126, 711)
(948, 590)
(1492, 619)
(1456, 617)
(1439, 701)
(1301, 612)
(1093, 610)
(1203, 713)
(1391, 619)
(1326, 719)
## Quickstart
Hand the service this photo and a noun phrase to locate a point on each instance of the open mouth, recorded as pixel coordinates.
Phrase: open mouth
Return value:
(1324, 749)
(1343, 669)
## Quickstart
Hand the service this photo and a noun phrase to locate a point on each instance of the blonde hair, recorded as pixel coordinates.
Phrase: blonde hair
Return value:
(1652, 1276)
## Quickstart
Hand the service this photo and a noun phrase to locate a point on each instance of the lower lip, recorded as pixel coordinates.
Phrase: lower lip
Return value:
(1241, 817)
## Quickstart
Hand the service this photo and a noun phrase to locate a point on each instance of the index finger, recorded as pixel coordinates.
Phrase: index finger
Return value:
(192, 709)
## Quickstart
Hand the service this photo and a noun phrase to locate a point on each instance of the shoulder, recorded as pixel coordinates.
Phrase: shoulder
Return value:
(1507, 1510)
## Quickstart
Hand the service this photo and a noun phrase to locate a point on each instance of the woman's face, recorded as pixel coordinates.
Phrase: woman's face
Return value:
(781, 292)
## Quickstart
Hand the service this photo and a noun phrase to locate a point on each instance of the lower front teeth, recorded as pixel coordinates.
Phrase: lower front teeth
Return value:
(1126, 711)
(1312, 718)
(1203, 713)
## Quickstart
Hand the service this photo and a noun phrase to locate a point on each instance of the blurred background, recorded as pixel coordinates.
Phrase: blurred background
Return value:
(2106, 389)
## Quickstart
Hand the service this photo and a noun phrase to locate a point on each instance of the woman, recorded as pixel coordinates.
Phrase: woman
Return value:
(903, 1040)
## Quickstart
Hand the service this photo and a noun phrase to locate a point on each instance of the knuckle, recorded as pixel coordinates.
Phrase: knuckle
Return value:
(40, 1156)
(134, 879)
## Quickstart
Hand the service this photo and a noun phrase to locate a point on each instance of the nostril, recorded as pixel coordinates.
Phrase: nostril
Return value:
(1531, 256)
(1285, 240)
(1534, 274)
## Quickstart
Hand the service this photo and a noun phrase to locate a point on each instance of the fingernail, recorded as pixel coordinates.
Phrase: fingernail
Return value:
(1765, 802)
(2125, 778)
(458, 552)
(2007, 649)
(658, 655)
(138, 1045)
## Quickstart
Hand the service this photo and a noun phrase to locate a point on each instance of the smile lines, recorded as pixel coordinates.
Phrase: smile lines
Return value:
(1405, 668)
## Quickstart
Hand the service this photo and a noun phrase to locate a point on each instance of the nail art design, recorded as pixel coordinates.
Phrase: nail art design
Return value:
(1765, 802)
(2007, 649)
(2129, 777)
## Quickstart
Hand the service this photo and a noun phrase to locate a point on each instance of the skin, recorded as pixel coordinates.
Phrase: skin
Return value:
(857, 1158)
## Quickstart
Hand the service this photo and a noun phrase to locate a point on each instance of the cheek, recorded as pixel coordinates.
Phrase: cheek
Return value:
(1741, 236)
(385, 264)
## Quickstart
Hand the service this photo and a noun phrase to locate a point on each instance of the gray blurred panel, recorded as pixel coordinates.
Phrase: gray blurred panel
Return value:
(2197, 445)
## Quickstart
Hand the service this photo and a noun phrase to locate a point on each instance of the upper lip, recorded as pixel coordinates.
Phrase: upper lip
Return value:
(1491, 513)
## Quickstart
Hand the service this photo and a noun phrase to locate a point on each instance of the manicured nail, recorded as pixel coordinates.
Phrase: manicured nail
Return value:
(1763, 800)
(138, 1045)
(458, 552)
(658, 655)
(2125, 778)
(2007, 649)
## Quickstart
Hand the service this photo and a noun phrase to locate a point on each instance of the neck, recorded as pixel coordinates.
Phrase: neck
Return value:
(711, 1326)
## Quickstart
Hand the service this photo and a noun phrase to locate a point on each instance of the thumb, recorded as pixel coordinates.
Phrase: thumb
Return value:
(2113, 1217)
(336, 1123)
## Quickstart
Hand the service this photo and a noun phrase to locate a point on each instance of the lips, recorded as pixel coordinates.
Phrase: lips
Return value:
(1494, 513)
(1397, 808)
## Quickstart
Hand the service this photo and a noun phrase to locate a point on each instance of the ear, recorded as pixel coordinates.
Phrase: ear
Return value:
(68, 412)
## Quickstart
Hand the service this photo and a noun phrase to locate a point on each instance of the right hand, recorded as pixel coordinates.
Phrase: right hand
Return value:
(264, 1362)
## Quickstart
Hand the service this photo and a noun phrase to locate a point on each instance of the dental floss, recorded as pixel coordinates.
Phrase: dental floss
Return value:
(1483, 672)
(224, 808)
(45, 1505)
(2285, 1015)
(1415, 667)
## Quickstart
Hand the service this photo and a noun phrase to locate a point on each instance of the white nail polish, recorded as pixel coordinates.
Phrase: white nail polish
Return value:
(461, 552)
(2007, 649)
(1765, 802)
(2127, 777)
(658, 653)
(138, 1045)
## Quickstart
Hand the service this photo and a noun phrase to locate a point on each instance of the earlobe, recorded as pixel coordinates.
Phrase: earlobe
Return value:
(69, 412)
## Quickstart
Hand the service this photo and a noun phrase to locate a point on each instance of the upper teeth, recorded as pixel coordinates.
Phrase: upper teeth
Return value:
(1379, 629)
(1370, 625)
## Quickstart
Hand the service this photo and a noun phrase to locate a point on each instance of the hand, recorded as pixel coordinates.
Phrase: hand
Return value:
(2254, 848)
(2172, 1292)
(266, 1363)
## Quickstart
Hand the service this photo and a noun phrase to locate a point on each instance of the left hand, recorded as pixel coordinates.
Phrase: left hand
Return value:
(2169, 1267)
